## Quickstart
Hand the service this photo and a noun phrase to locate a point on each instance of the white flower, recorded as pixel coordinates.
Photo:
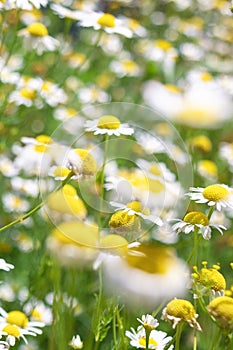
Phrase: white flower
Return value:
(109, 125)
(4, 345)
(76, 342)
(135, 208)
(156, 170)
(218, 195)
(150, 143)
(105, 21)
(197, 220)
(148, 275)
(157, 340)
(64, 12)
(5, 266)
(36, 37)
(148, 322)
(24, 4)
(14, 203)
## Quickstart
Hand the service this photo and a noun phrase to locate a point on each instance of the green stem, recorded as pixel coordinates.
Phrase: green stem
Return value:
(147, 338)
(35, 209)
(215, 340)
(102, 179)
(178, 335)
(195, 247)
(114, 327)
(211, 211)
(98, 310)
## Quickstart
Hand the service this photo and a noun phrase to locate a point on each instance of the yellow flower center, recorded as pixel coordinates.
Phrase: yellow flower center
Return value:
(130, 66)
(69, 190)
(88, 162)
(133, 24)
(12, 330)
(163, 44)
(182, 309)
(154, 169)
(136, 206)
(36, 315)
(107, 20)
(17, 202)
(121, 220)
(215, 193)
(109, 122)
(208, 166)
(61, 171)
(142, 342)
(44, 139)
(211, 278)
(151, 258)
(222, 309)
(17, 318)
(29, 94)
(202, 142)
(172, 88)
(196, 217)
(37, 29)
(206, 77)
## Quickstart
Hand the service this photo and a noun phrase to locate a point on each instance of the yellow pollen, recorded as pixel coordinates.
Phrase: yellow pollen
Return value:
(88, 162)
(107, 20)
(136, 206)
(196, 217)
(142, 342)
(163, 44)
(12, 330)
(151, 258)
(29, 94)
(109, 122)
(181, 309)
(40, 148)
(121, 220)
(44, 139)
(215, 193)
(154, 169)
(37, 29)
(172, 88)
(17, 318)
(222, 309)
(211, 278)
(61, 171)
(202, 142)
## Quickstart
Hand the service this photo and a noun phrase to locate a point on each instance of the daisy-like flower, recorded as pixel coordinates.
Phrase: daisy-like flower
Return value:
(149, 274)
(196, 219)
(108, 124)
(148, 322)
(14, 203)
(81, 162)
(222, 310)
(104, 21)
(207, 169)
(180, 310)
(219, 195)
(210, 279)
(24, 4)
(15, 324)
(76, 342)
(5, 266)
(36, 37)
(4, 345)
(157, 340)
(135, 208)
(156, 170)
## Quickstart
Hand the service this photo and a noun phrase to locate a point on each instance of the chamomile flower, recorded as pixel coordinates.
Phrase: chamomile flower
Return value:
(156, 170)
(135, 208)
(198, 220)
(219, 195)
(180, 310)
(148, 322)
(16, 324)
(76, 342)
(5, 266)
(207, 169)
(108, 124)
(210, 279)
(157, 339)
(81, 162)
(4, 345)
(36, 37)
(104, 21)
(150, 143)
(24, 4)
(14, 203)
(222, 310)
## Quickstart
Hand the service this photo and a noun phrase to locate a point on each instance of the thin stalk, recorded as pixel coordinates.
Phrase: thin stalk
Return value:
(147, 338)
(102, 179)
(35, 209)
(211, 212)
(215, 340)
(178, 335)
(195, 247)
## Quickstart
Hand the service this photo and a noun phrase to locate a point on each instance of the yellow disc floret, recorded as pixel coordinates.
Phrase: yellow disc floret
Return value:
(152, 342)
(182, 309)
(122, 222)
(37, 29)
(211, 278)
(215, 193)
(107, 20)
(17, 318)
(222, 309)
(88, 162)
(196, 217)
(135, 205)
(109, 122)
(29, 94)
(12, 330)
